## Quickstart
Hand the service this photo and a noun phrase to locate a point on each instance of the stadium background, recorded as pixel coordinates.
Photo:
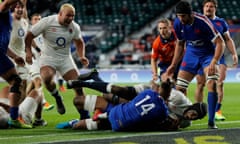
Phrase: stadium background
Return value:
(119, 33)
(108, 31)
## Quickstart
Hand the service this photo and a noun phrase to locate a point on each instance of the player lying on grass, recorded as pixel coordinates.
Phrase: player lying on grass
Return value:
(176, 104)
(144, 112)
(29, 108)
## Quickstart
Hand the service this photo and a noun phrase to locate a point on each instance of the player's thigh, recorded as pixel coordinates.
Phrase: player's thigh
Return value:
(188, 76)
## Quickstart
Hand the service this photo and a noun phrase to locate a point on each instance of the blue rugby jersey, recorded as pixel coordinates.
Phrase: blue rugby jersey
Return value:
(144, 108)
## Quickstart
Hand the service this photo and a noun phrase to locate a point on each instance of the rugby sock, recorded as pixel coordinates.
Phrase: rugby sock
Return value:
(100, 86)
(84, 114)
(60, 82)
(55, 93)
(14, 113)
(218, 107)
(212, 101)
(96, 78)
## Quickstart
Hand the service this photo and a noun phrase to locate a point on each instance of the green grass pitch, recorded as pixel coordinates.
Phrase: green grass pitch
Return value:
(231, 111)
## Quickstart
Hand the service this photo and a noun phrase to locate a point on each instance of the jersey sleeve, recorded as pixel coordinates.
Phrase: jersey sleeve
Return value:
(155, 45)
(39, 26)
(225, 26)
(78, 33)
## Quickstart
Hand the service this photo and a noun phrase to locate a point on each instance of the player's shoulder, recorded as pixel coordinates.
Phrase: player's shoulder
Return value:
(156, 42)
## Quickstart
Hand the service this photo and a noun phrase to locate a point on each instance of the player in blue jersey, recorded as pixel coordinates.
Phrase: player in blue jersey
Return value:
(180, 107)
(7, 69)
(143, 111)
(204, 47)
(209, 9)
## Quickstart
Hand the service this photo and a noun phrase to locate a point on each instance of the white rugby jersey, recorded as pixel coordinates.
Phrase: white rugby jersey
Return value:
(178, 102)
(18, 34)
(56, 38)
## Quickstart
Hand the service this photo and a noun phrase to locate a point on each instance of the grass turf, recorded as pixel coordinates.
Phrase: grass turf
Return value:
(51, 134)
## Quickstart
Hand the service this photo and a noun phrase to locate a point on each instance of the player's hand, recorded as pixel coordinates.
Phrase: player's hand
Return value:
(212, 68)
(155, 77)
(235, 60)
(29, 56)
(19, 61)
(170, 70)
(84, 61)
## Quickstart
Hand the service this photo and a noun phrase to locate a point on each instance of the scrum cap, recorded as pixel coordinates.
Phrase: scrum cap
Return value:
(201, 109)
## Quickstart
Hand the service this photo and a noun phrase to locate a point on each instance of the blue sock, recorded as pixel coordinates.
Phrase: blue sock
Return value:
(218, 107)
(14, 113)
(212, 101)
(84, 114)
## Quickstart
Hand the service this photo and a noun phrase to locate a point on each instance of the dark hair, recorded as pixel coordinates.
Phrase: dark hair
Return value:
(167, 87)
(213, 1)
(183, 7)
(35, 14)
(200, 108)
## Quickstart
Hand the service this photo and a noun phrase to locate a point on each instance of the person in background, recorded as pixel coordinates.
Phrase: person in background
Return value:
(16, 44)
(163, 49)
(209, 10)
(7, 68)
(204, 48)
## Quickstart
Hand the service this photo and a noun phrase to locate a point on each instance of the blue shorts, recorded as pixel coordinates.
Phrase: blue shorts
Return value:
(193, 63)
(5, 63)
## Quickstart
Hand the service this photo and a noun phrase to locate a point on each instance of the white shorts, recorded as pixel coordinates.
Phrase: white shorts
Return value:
(61, 64)
(4, 100)
(34, 69)
(27, 109)
(23, 72)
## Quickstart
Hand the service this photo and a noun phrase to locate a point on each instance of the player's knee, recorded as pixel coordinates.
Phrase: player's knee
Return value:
(182, 84)
(16, 83)
(212, 82)
(220, 83)
(78, 101)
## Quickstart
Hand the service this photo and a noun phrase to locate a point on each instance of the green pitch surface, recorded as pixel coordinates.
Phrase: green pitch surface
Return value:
(198, 133)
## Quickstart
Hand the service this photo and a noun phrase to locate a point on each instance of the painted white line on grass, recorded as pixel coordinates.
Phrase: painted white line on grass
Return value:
(112, 137)
(219, 122)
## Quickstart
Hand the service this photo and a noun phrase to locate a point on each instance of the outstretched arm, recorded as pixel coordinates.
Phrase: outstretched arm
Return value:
(6, 4)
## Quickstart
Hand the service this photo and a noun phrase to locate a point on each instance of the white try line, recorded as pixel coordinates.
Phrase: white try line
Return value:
(112, 137)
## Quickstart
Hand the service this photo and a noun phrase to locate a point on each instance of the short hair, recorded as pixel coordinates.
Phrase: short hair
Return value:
(165, 20)
(67, 6)
(215, 2)
(35, 14)
(183, 7)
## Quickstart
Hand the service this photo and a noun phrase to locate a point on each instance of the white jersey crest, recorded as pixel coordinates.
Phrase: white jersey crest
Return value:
(57, 38)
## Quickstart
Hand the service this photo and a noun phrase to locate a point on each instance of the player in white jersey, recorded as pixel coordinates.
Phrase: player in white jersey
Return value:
(27, 108)
(178, 103)
(181, 109)
(20, 27)
(58, 33)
